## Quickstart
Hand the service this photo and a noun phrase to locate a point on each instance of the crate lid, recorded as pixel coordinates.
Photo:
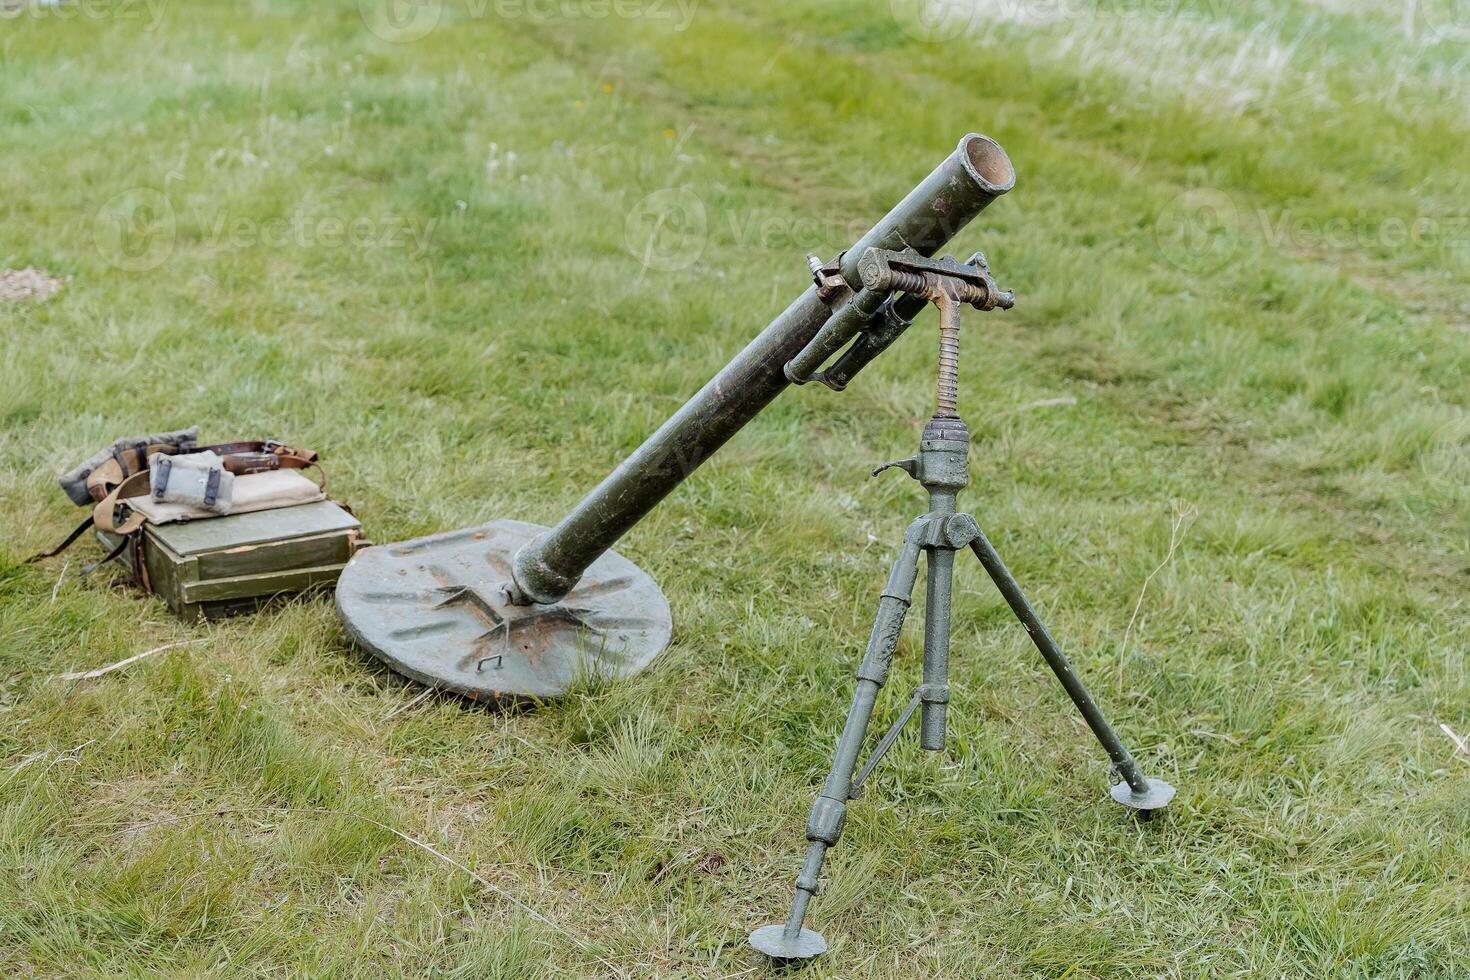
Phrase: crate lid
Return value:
(258, 527)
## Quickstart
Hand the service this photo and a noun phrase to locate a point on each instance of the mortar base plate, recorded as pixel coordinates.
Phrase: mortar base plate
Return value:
(434, 610)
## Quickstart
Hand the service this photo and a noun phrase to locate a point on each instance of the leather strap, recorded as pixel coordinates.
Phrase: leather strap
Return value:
(115, 552)
(248, 456)
(105, 513)
(71, 539)
(123, 464)
(259, 457)
(129, 540)
(126, 475)
(235, 448)
(165, 467)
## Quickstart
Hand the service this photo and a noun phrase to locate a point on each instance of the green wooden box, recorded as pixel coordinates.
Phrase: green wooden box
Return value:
(227, 565)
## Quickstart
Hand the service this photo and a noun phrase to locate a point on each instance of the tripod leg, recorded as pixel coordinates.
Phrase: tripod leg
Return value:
(1136, 791)
(824, 825)
(935, 692)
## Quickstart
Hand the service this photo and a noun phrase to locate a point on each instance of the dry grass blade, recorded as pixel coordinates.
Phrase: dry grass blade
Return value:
(59, 579)
(86, 675)
(1462, 745)
(1184, 514)
(416, 700)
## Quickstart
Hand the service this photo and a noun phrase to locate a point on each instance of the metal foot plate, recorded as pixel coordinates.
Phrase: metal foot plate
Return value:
(1158, 796)
(772, 941)
(433, 610)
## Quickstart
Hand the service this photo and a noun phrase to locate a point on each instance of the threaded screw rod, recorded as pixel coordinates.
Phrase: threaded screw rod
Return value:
(949, 355)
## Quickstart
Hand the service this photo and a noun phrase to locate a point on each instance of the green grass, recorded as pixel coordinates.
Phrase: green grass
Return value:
(338, 247)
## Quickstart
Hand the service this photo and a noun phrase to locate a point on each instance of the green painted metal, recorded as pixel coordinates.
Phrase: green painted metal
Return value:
(220, 566)
(434, 609)
(894, 317)
(941, 468)
(550, 569)
(968, 180)
(1144, 791)
(840, 328)
(255, 528)
(775, 943)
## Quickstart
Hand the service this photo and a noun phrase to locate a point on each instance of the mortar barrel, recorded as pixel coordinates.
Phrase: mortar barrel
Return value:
(549, 567)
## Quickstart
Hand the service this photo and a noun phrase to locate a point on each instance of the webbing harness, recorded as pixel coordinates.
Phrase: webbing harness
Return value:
(125, 475)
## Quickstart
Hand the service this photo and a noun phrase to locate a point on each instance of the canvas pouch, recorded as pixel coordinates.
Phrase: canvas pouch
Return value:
(194, 479)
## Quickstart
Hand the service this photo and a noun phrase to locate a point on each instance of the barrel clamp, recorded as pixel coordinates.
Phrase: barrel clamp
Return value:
(909, 272)
(883, 274)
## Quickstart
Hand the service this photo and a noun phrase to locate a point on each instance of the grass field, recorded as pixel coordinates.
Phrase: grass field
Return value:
(474, 251)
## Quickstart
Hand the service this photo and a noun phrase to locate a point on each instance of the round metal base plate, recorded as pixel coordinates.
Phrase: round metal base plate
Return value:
(433, 609)
(772, 941)
(1158, 796)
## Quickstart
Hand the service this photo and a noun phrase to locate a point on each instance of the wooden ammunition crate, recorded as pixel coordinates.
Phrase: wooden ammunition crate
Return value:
(228, 565)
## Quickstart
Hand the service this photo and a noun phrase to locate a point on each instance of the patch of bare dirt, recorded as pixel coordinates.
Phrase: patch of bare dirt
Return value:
(28, 285)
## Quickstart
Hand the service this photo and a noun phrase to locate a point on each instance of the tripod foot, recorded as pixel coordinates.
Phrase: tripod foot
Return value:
(1156, 797)
(773, 941)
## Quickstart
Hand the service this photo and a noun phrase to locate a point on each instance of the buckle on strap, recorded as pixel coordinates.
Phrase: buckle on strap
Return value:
(245, 463)
(164, 466)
